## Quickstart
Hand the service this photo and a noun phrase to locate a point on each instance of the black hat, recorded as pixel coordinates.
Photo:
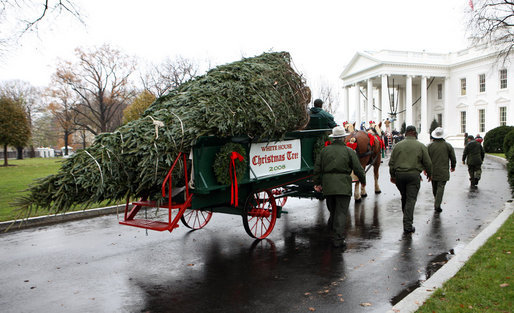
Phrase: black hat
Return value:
(318, 103)
(410, 128)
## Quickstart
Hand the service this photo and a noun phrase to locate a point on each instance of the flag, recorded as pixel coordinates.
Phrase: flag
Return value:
(471, 5)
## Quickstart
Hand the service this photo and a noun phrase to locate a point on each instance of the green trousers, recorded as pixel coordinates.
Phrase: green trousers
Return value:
(408, 185)
(338, 208)
(475, 172)
(438, 191)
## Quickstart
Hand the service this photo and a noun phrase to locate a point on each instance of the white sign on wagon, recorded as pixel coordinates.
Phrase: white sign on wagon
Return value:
(270, 158)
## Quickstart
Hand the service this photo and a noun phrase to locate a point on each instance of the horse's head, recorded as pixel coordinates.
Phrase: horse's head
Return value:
(348, 127)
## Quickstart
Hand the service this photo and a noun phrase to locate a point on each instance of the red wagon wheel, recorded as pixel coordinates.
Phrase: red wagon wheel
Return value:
(196, 219)
(277, 192)
(260, 214)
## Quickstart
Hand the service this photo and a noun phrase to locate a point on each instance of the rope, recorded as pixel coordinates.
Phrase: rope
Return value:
(157, 125)
(182, 128)
(97, 164)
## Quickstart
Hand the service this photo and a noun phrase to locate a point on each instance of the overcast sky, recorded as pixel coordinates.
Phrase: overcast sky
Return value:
(321, 35)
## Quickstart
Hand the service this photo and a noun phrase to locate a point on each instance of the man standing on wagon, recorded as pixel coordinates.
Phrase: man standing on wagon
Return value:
(332, 172)
(326, 119)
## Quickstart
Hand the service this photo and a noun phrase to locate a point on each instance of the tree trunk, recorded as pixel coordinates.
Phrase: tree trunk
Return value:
(19, 155)
(66, 142)
(32, 152)
(5, 156)
(83, 139)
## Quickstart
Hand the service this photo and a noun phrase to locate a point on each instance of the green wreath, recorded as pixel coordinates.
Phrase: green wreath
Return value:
(221, 164)
(319, 145)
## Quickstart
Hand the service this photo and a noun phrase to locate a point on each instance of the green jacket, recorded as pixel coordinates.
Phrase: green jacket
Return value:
(410, 156)
(441, 153)
(333, 167)
(326, 119)
(474, 152)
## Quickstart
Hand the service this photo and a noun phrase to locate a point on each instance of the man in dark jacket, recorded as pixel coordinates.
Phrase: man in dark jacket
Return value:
(475, 154)
(441, 154)
(332, 177)
(408, 159)
(326, 120)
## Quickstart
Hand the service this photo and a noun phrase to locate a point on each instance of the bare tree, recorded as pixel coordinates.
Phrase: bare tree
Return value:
(100, 79)
(17, 17)
(168, 75)
(63, 102)
(329, 97)
(27, 96)
(491, 22)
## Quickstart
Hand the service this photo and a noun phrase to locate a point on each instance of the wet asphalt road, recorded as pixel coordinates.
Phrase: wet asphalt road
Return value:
(96, 265)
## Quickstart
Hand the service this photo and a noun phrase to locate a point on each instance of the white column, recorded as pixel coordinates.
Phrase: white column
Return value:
(346, 104)
(369, 111)
(423, 133)
(384, 105)
(379, 106)
(408, 101)
(401, 107)
(357, 97)
(446, 111)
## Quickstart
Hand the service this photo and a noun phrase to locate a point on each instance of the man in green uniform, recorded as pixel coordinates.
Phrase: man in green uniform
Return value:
(475, 154)
(332, 177)
(323, 118)
(408, 159)
(441, 154)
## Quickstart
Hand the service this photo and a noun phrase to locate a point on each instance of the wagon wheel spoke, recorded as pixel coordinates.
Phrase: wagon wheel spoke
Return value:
(260, 214)
(196, 219)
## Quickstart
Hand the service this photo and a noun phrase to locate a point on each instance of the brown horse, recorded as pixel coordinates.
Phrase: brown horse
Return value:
(368, 155)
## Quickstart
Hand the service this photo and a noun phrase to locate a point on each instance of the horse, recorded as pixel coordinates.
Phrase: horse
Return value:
(368, 147)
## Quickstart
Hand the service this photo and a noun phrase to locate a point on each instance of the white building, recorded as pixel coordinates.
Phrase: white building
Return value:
(469, 91)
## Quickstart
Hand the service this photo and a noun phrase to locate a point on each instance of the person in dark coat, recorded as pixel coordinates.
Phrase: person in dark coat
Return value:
(408, 159)
(332, 172)
(441, 154)
(326, 119)
(474, 153)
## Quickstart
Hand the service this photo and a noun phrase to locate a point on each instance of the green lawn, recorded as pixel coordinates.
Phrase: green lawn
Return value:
(501, 155)
(485, 283)
(18, 176)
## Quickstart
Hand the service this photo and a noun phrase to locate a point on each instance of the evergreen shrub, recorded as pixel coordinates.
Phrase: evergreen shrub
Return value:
(493, 140)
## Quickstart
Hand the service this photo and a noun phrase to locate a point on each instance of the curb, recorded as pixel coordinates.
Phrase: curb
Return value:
(415, 299)
(45, 220)
(498, 159)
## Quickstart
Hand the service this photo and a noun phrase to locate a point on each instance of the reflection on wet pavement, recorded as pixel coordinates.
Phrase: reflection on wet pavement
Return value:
(221, 269)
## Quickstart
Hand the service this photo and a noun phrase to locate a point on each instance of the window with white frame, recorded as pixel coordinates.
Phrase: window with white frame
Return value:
(439, 91)
(503, 116)
(463, 121)
(503, 79)
(462, 86)
(481, 120)
(481, 83)
(440, 119)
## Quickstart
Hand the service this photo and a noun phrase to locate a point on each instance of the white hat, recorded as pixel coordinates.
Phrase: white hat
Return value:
(438, 133)
(338, 132)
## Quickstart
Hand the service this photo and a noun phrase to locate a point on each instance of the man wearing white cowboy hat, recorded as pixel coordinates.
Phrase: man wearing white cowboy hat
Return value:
(441, 153)
(332, 172)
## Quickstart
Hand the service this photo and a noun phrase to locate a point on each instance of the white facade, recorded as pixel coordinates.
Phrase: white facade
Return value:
(426, 86)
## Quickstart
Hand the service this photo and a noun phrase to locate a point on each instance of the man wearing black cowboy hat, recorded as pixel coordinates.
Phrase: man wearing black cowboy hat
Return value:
(408, 159)
(441, 154)
(332, 172)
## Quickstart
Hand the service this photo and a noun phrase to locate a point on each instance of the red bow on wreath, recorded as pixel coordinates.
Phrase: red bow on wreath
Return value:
(233, 177)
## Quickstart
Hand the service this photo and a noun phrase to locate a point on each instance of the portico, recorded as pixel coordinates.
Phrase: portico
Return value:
(385, 87)
(465, 92)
